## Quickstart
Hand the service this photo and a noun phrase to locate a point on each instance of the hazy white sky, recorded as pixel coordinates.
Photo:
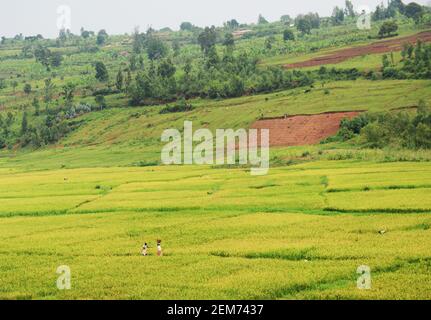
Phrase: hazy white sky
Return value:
(31, 17)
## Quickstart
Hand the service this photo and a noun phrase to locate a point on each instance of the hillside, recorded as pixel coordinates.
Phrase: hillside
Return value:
(82, 181)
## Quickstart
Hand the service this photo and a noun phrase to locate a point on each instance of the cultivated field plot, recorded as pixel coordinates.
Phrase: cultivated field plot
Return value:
(226, 234)
(373, 48)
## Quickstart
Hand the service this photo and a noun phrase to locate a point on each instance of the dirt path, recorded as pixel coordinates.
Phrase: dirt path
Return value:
(376, 47)
(303, 129)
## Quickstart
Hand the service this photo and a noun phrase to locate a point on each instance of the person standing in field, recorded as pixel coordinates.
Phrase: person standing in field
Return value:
(159, 248)
(145, 249)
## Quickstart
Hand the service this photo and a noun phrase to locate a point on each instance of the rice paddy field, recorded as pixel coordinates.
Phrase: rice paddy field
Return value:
(90, 199)
(300, 232)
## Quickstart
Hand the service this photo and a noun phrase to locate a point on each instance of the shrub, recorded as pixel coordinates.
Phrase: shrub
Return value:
(181, 106)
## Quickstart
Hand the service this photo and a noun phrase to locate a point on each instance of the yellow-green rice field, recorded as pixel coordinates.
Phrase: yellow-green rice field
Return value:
(300, 232)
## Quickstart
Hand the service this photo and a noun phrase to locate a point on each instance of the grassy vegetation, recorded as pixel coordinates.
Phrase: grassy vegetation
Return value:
(226, 234)
(92, 197)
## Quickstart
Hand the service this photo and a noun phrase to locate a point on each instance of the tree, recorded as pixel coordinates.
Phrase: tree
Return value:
(385, 61)
(186, 26)
(304, 26)
(36, 106)
(166, 69)
(176, 47)
(387, 28)
(286, 19)
(42, 56)
(47, 58)
(102, 37)
(207, 39)
(101, 72)
(350, 11)
(27, 88)
(55, 59)
(14, 85)
(85, 34)
(68, 93)
(48, 90)
(119, 82)
(62, 36)
(101, 101)
(269, 42)
(231, 24)
(288, 35)
(156, 48)
(337, 16)
(262, 20)
(128, 81)
(24, 123)
(397, 5)
(138, 41)
(414, 11)
(229, 41)
(212, 57)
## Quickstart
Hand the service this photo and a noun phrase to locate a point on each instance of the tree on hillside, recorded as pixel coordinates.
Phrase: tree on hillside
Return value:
(3, 84)
(269, 42)
(128, 81)
(207, 39)
(138, 41)
(288, 35)
(186, 26)
(166, 69)
(48, 90)
(27, 88)
(68, 93)
(176, 47)
(42, 56)
(397, 5)
(47, 58)
(24, 123)
(388, 28)
(14, 85)
(62, 36)
(337, 16)
(350, 11)
(229, 41)
(262, 20)
(55, 59)
(85, 34)
(305, 23)
(304, 26)
(156, 48)
(119, 81)
(36, 106)
(231, 24)
(102, 37)
(286, 19)
(101, 72)
(100, 101)
(414, 11)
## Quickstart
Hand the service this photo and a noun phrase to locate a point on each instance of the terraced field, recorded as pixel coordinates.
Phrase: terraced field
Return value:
(300, 232)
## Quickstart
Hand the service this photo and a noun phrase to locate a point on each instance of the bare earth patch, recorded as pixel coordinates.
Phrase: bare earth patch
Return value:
(303, 129)
(373, 48)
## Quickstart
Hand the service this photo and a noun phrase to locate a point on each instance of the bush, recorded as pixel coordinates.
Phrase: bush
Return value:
(181, 106)
(375, 135)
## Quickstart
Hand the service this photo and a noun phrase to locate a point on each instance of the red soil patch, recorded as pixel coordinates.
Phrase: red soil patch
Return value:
(376, 47)
(303, 129)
